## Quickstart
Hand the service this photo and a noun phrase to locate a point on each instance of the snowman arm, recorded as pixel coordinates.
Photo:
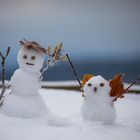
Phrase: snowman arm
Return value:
(3, 71)
(51, 63)
(44, 71)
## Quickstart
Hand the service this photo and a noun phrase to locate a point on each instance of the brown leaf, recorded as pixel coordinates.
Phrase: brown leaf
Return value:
(57, 51)
(86, 78)
(117, 86)
(33, 45)
(49, 50)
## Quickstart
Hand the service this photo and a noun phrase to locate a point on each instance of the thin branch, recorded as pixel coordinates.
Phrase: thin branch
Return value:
(1, 55)
(54, 57)
(3, 72)
(75, 73)
(125, 90)
(45, 70)
(8, 51)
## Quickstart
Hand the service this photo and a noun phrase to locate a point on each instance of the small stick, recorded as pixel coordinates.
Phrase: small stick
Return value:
(44, 72)
(3, 72)
(54, 57)
(75, 73)
(125, 90)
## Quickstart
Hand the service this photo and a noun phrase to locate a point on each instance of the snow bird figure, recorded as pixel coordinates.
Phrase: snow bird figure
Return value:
(99, 96)
(97, 104)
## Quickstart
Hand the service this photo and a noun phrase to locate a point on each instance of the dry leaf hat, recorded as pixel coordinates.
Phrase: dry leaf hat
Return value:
(33, 45)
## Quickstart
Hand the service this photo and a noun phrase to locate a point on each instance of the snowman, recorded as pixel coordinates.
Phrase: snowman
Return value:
(25, 100)
(98, 96)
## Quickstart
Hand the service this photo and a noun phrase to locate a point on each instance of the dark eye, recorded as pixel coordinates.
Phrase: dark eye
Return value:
(25, 56)
(89, 84)
(33, 57)
(102, 84)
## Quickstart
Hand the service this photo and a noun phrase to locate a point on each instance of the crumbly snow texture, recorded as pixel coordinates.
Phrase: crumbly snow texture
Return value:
(24, 107)
(97, 104)
(67, 104)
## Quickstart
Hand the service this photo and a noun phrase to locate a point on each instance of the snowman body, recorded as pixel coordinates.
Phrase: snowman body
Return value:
(25, 100)
(97, 104)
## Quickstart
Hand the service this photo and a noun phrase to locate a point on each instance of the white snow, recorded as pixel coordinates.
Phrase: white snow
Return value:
(60, 83)
(24, 83)
(67, 104)
(73, 83)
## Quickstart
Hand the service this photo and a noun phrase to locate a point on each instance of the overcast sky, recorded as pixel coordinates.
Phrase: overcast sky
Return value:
(96, 29)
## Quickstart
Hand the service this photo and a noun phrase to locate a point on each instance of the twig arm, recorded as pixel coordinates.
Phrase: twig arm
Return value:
(3, 72)
(125, 90)
(75, 73)
(1, 55)
(44, 72)
(54, 57)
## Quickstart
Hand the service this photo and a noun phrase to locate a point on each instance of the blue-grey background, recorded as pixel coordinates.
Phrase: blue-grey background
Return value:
(101, 36)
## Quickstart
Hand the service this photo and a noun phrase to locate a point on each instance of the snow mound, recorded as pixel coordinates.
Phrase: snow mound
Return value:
(67, 104)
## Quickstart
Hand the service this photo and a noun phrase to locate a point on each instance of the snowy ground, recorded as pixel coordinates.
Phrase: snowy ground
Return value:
(67, 104)
(73, 83)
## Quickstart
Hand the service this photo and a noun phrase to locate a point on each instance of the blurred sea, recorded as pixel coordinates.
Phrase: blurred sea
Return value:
(62, 71)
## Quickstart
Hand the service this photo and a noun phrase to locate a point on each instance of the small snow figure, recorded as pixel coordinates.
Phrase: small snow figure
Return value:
(25, 101)
(98, 98)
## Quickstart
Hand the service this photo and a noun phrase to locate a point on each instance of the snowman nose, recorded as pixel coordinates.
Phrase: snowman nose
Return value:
(95, 89)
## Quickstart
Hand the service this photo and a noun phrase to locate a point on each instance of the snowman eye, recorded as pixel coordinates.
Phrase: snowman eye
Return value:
(89, 84)
(102, 84)
(25, 56)
(33, 57)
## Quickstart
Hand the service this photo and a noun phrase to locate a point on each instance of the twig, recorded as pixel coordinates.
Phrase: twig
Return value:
(125, 90)
(3, 72)
(54, 57)
(48, 66)
(75, 73)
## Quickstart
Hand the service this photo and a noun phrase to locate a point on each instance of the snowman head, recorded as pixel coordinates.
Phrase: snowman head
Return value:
(97, 85)
(31, 57)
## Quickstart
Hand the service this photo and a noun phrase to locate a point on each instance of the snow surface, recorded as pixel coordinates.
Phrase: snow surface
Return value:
(72, 83)
(67, 104)
(75, 83)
